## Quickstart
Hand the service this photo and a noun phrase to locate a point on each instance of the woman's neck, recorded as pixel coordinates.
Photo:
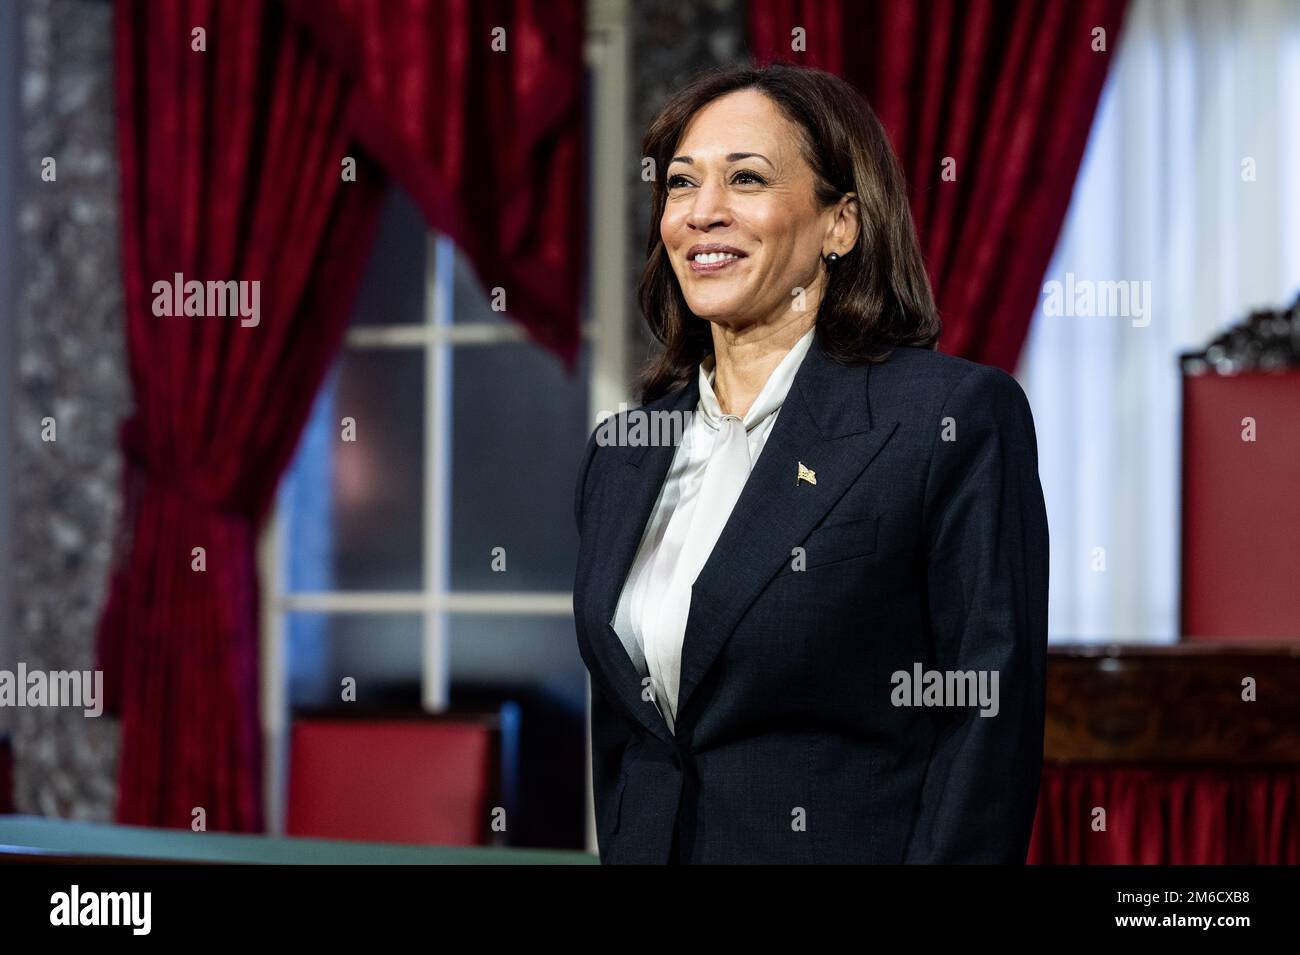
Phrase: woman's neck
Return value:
(745, 358)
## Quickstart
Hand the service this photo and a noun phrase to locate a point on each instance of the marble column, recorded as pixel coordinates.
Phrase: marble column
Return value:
(70, 367)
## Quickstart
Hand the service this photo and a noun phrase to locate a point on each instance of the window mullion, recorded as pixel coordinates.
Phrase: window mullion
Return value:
(435, 678)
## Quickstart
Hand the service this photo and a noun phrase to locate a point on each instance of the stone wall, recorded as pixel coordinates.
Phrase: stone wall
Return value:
(671, 42)
(69, 365)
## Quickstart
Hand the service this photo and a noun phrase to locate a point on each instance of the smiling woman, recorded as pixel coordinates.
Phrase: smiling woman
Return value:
(806, 217)
(846, 505)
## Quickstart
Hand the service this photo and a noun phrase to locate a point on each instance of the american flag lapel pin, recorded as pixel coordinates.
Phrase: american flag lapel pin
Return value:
(806, 474)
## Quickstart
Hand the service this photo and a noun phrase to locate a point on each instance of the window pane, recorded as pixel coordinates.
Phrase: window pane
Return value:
(392, 289)
(501, 650)
(380, 651)
(497, 655)
(518, 432)
(378, 478)
(353, 509)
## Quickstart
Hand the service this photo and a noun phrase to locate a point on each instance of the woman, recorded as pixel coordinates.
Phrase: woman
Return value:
(816, 623)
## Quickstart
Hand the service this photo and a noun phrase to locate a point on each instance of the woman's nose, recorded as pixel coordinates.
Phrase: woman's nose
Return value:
(709, 208)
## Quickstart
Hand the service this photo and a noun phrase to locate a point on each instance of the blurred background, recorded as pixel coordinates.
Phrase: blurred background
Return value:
(381, 646)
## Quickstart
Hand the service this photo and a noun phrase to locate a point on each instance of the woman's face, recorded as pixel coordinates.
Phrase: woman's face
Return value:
(741, 224)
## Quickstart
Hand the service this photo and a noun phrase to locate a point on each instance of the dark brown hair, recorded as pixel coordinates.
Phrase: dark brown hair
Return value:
(877, 295)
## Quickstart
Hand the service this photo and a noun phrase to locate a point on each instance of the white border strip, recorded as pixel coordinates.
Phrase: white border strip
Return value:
(505, 603)
(421, 336)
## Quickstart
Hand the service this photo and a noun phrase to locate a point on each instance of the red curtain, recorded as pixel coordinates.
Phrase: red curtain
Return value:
(1006, 89)
(230, 161)
(1174, 816)
(234, 120)
(476, 108)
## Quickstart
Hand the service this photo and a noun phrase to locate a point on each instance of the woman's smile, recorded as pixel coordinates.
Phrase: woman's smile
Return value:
(712, 258)
(710, 263)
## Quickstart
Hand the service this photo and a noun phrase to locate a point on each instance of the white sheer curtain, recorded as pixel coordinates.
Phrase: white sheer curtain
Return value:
(1196, 90)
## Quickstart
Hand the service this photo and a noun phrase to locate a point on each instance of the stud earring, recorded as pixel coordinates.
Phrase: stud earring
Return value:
(832, 258)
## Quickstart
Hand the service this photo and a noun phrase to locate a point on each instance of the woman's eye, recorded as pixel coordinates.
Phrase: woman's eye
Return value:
(742, 177)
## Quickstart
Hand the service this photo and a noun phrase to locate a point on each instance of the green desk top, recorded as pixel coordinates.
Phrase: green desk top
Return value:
(24, 835)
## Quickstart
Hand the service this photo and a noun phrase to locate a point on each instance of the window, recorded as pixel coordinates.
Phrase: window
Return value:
(378, 562)
(425, 541)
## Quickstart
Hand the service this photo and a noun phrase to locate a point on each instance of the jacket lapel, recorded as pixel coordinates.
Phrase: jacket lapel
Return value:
(825, 423)
(626, 510)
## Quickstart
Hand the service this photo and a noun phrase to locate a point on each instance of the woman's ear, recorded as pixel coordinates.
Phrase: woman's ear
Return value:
(845, 225)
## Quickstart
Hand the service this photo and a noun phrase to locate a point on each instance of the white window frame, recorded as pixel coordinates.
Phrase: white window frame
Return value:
(607, 57)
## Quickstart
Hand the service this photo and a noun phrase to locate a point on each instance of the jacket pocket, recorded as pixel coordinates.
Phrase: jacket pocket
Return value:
(608, 840)
(618, 801)
(832, 543)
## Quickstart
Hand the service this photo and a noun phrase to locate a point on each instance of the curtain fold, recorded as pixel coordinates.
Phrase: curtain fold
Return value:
(476, 108)
(1167, 816)
(230, 160)
(998, 93)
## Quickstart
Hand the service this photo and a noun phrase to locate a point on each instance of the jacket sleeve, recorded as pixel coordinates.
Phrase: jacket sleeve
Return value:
(987, 571)
(609, 732)
(580, 489)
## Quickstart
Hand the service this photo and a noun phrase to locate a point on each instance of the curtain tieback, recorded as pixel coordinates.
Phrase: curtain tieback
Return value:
(141, 474)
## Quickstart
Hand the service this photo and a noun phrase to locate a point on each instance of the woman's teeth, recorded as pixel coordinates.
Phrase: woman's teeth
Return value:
(709, 258)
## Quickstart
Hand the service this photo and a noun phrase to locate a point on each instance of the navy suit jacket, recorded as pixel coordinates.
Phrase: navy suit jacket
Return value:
(924, 545)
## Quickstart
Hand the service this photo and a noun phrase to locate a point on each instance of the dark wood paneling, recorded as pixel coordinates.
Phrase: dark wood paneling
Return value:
(1173, 704)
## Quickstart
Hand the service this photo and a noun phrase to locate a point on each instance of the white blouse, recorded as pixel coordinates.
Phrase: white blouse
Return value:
(657, 651)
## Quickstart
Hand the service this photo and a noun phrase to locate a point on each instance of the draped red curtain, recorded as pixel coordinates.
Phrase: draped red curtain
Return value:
(476, 108)
(1006, 89)
(234, 122)
(1167, 816)
(230, 161)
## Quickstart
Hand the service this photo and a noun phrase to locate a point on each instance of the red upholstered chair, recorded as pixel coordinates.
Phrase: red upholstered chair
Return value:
(1239, 557)
(422, 779)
